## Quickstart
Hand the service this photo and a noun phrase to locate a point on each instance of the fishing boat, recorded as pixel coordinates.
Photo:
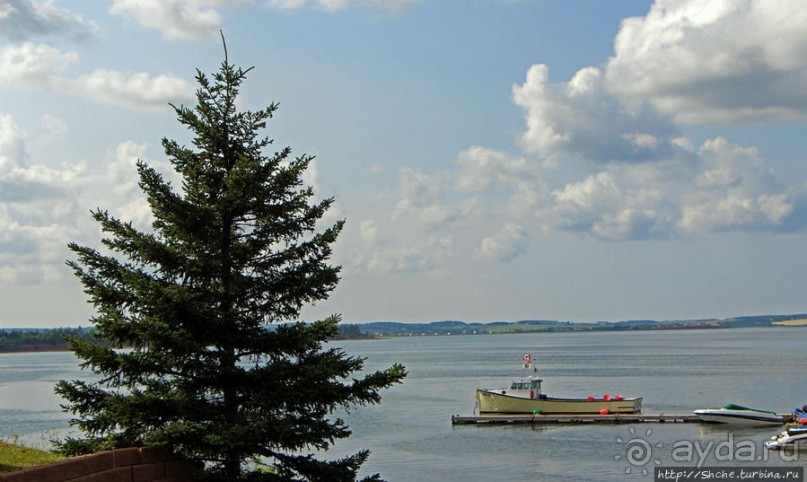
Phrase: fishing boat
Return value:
(739, 415)
(526, 396)
(790, 437)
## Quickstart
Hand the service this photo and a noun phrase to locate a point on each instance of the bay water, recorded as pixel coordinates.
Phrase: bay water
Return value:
(411, 437)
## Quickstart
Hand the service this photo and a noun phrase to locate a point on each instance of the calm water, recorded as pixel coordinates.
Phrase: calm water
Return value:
(412, 439)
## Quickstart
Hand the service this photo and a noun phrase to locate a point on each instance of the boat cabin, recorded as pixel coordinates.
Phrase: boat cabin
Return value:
(530, 388)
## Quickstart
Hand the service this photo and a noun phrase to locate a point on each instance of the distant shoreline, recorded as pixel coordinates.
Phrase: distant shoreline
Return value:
(33, 340)
(384, 328)
(37, 349)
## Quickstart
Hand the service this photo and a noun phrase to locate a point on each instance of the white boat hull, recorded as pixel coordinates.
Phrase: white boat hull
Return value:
(788, 438)
(739, 417)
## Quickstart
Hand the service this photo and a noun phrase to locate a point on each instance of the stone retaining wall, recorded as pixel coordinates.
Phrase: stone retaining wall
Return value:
(146, 464)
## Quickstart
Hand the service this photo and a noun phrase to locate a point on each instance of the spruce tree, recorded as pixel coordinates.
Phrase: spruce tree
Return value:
(198, 345)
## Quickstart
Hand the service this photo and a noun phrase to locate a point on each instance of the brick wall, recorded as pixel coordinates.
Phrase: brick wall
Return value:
(146, 464)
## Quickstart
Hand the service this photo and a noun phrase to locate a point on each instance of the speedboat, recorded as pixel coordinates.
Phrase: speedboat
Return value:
(791, 436)
(739, 415)
(525, 396)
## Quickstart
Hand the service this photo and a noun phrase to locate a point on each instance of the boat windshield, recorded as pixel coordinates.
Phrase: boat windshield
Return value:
(523, 385)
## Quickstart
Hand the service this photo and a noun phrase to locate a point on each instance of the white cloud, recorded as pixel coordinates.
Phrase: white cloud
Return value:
(734, 190)
(21, 181)
(310, 177)
(29, 65)
(590, 194)
(25, 19)
(724, 187)
(122, 169)
(506, 245)
(38, 208)
(40, 66)
(612, 205)
(12, 145)
(335, 5)
(428, 255)
(716, 61)
(688, 192)
(369, 231)
(132, 90)
(642, 141)
(29, 253)
(421, 197)
(543, 132)
(649, 181)
(287, 4)
(43, 207)
(582, 118)
(488, 172)
(182, 19)
(481, 168)
(54, 128)
(430, 209)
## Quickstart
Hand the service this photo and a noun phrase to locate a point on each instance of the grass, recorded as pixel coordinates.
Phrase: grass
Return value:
(801, 322)
(14, 457)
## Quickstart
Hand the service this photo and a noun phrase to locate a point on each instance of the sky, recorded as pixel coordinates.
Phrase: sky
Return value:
(495, 160)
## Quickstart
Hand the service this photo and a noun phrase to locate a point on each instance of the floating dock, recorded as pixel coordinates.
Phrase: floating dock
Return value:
(580, 418)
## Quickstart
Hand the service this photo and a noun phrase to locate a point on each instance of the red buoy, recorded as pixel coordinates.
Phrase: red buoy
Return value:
(604, 411)
(590, 399)
(606, 397)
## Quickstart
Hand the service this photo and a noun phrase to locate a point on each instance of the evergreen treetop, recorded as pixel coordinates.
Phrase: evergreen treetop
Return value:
(216, 367)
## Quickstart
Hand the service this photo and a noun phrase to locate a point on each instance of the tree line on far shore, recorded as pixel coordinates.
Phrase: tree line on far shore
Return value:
(53, 339)
(43, 339)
